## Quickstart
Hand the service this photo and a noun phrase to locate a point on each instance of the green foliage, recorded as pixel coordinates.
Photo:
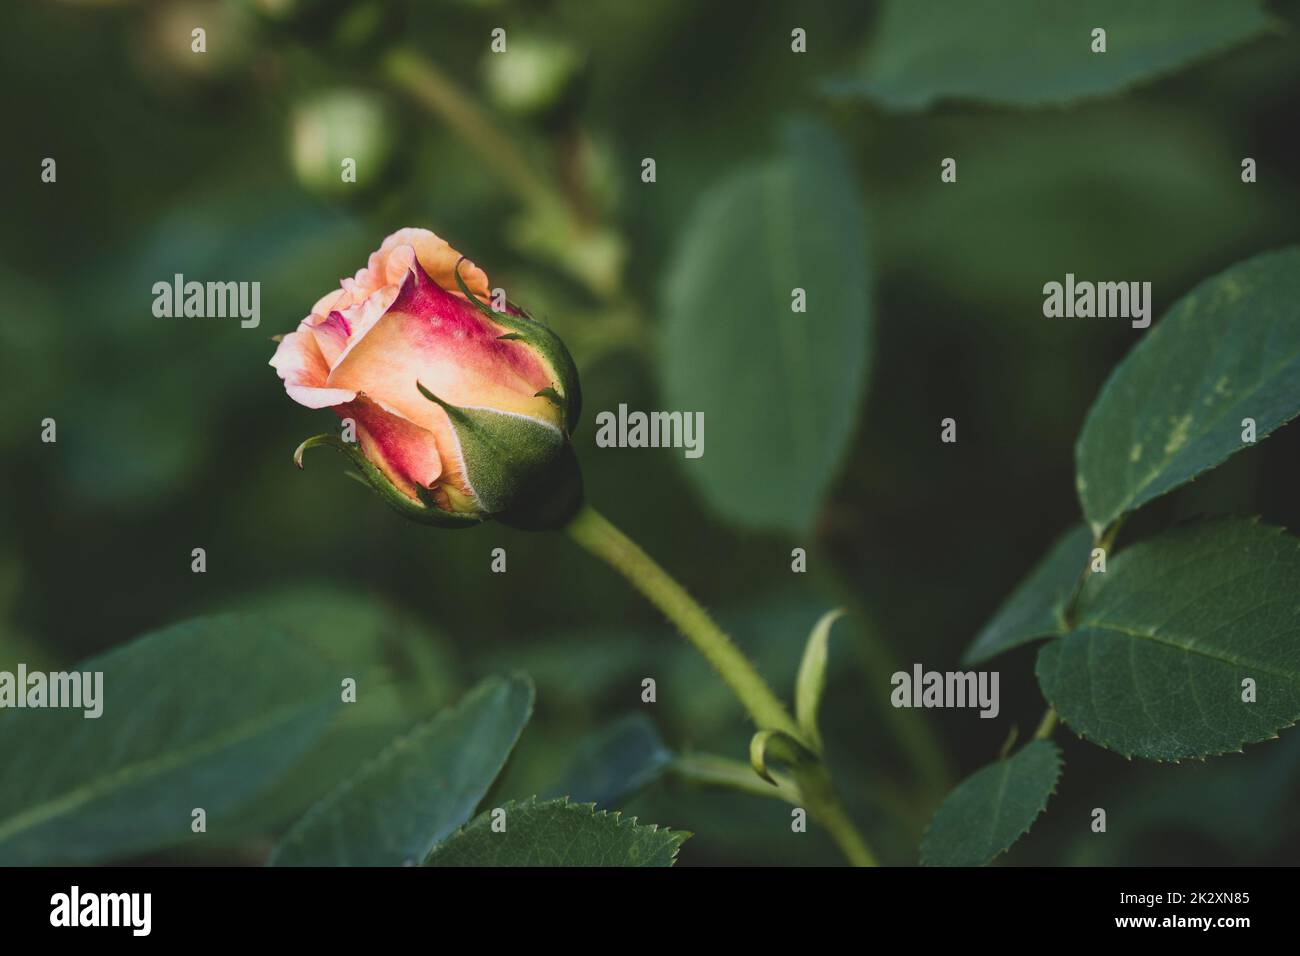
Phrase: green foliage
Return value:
(615, 762)
(1037, 53)
(779, 389)
(1165, 638)
(811, 682)
(403, 671)
(186, 724)
(558, 833)
(168, 437)
(1035, 609)
(1174, 407)
(419, 789)
(382, 643)
(992, 808)
(1185, 645)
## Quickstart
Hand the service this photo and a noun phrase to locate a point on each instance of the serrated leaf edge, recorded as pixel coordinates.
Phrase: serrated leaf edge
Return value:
(677, 837)
(1060, 766)
(1277, 530)
(401, 742)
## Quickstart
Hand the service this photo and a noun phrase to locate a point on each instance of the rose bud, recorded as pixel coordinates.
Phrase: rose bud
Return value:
(461, 412)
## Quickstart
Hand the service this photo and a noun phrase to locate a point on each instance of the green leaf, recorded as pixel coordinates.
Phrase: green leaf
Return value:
(779, 390)
(520, 470)
(421, 788)
(1036, 52)
(386, 643)
(205, 713)
(558, 833)
(811, 681)
(992, 808)
(403, 671)
(1164, 639)
(1034, 609)
(615, 762)
(1173, 408)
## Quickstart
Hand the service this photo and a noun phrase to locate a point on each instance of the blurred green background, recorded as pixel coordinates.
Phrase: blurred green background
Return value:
(175, 434)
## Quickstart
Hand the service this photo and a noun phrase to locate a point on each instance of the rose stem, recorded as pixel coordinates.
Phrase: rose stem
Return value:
(597, 535)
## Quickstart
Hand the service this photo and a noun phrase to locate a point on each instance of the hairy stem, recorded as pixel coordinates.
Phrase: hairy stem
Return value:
(1105, 541)
(591, 530)
(710, 770)
(824, 804)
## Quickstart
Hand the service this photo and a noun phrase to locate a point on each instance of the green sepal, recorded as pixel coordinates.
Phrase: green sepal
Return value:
(425, 512)
(551, 394)
(537, 335)
(812, 678)
(549, 503)
(776, 744)
(521, 470)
